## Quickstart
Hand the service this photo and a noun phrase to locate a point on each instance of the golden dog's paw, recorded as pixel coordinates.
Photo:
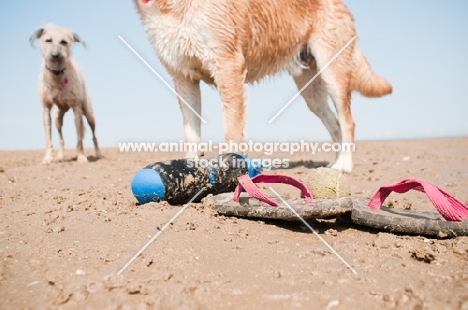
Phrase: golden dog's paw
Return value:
(343, 164)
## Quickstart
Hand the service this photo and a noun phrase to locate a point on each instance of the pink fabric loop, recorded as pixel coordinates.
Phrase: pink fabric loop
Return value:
(449, 207)
(248, 184)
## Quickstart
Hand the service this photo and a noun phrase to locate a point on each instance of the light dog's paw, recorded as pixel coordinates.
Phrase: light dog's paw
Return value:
(60, 156)
(98, 155)
(49, 157)
(47, 160)
(82, 158)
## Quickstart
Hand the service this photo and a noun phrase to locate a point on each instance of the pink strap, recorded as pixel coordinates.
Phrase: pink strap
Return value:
(450, 208)
(248, 184)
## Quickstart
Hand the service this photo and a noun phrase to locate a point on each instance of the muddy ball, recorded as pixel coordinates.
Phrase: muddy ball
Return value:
(327, 183)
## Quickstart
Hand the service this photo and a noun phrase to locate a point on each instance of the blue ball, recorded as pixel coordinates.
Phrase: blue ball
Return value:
(147, 186)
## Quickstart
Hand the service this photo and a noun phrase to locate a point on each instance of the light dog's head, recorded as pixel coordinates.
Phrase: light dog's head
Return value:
(56, 45)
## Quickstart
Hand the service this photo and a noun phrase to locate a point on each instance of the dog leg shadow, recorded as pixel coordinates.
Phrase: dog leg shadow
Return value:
(309, 164)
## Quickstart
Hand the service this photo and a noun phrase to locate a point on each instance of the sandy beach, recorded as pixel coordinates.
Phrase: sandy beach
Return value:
(66, 229)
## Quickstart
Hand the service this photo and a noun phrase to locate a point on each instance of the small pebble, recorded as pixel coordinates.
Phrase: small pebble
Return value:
(332, 232)
(167, 277)
(80, 272)
(32, 283)
(441, 235)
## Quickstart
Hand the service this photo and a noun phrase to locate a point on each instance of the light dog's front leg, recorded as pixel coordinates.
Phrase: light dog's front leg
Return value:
(230, 78)
(48, 133)
(59, 123)
(81, 157)
(189, 91)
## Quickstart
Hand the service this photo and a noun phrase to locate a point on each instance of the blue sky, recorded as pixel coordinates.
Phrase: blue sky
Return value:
(420, 46)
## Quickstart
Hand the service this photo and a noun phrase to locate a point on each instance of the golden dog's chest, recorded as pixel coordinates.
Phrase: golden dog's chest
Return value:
(182, 48)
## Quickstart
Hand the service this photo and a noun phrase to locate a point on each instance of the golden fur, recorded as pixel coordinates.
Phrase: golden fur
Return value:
(228, 43)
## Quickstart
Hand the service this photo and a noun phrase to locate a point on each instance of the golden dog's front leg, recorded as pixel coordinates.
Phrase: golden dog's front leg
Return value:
(190, 104)
(230, 78)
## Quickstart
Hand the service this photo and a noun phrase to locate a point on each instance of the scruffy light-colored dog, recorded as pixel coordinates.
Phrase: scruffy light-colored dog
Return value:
(61, 83)
(229, 43)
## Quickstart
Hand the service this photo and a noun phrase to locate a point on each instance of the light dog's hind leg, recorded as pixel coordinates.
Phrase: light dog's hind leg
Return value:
(88, 113)
(77, 110)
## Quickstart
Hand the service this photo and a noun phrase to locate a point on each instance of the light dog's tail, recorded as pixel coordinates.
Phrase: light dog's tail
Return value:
(364, 80)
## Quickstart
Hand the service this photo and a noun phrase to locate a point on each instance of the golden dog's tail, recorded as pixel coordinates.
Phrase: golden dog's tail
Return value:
(364, 80)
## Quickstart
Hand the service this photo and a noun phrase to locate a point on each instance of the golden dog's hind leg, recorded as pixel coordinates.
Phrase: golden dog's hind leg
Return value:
(316, 97)
(337, 78)
(189, 90)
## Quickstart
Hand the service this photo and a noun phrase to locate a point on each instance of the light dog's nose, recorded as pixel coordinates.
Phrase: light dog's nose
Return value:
(55, 56)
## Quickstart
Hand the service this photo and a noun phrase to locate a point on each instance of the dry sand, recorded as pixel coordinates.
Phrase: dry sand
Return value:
(67, 217)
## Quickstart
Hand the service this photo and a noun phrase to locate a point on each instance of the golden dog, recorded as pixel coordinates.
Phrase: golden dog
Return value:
(228, 43)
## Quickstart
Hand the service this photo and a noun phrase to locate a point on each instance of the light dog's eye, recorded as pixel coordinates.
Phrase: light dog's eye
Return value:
(63, 42)
(48, 40)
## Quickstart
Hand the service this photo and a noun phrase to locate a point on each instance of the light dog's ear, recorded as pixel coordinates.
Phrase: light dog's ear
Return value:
(77, 38)
(36, 35)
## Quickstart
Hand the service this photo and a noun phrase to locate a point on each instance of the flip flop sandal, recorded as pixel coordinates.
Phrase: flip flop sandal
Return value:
(449, 221)
(255, 204)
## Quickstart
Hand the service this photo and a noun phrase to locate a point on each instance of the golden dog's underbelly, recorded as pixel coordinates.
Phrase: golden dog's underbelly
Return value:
(193, 44)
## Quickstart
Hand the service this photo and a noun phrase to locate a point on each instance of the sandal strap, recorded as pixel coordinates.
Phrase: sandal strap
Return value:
(448, 206)
(248, 184)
